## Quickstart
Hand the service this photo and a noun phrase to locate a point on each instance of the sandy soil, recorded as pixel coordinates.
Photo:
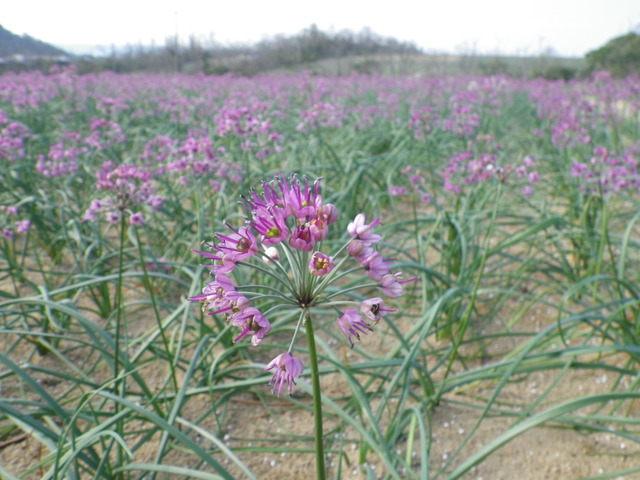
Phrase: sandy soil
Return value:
(550, 452)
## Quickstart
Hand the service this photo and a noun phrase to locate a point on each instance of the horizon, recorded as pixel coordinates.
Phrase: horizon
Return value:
(495, 27)
(97, 50)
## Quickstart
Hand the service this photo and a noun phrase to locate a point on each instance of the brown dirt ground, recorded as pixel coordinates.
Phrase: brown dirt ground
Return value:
(548, 452)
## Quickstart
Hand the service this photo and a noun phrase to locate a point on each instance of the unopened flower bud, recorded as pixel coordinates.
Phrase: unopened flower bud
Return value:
(271, 253)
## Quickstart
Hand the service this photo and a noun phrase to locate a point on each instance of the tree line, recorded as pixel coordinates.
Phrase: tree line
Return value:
(280, 52)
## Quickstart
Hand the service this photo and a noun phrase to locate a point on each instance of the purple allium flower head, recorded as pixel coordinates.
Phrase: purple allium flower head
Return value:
(290, 214)
(127, 187)
(12, 140)
(287, 369)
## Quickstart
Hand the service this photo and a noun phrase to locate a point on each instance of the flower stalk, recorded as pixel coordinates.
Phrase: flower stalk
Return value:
(282, 242)
(317, 397)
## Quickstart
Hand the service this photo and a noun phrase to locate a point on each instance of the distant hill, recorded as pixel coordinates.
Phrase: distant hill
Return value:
(12, 44)
(620, 56)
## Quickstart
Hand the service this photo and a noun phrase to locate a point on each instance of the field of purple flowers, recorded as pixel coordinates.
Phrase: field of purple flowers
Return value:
(439, 242)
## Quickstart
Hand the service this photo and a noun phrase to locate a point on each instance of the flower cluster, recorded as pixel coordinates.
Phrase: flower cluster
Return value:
(283, 239)
(12, 139)
(463, 121)
(128, 187)
(481, 162)
(110, 106)
(467, 169)
(63, 156)
(195, 157)
(321, 115)
(104, 134)
(251, 124)
(569, 132)
(422, 122)
(417, 183)
(607, 172)
(9, 227)
(198, 156)
(525, 171)
(158, 148)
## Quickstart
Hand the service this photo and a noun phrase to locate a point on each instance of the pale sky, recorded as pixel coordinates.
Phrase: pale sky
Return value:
(569, 27)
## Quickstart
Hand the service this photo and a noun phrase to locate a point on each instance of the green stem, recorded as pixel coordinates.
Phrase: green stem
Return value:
(119, 383)
(117, 301)
(154, 304)
(317, 400)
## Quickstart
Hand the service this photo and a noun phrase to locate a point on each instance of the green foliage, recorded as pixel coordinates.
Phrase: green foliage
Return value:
(620, 56)
(111, 373)
(558, 72)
